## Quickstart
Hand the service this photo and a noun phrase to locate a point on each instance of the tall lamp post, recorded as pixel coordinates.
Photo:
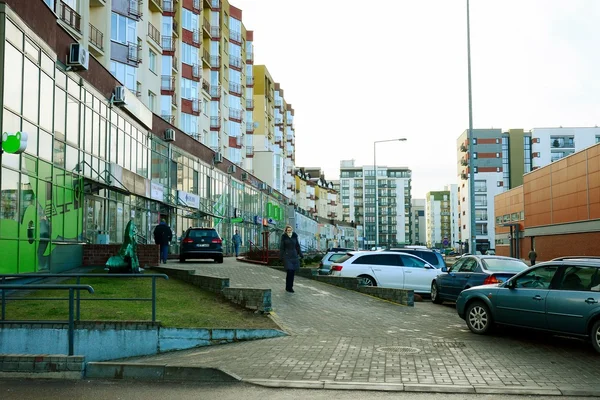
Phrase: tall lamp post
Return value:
(376, 187)
(472, 238)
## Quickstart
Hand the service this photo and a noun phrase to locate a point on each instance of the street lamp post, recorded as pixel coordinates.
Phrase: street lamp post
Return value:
(472, 238)
(376, 187)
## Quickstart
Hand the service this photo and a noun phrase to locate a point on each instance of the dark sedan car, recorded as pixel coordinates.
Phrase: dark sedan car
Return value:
(201, 243)
(471, 271)
(561, 297)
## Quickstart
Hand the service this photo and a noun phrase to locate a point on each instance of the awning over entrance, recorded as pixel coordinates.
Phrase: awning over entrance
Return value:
(99, 180)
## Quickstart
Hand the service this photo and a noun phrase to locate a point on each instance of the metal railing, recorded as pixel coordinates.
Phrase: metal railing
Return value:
(96, 37)
(70, 16)
(71, 288)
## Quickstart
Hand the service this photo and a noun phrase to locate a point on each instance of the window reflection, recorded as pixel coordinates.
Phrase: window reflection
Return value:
(46, 102)
(13, 78)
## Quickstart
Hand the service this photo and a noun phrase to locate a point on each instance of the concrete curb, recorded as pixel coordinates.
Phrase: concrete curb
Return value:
(160, 372)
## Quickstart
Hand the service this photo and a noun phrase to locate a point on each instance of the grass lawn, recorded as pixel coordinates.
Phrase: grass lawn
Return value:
(178, 305)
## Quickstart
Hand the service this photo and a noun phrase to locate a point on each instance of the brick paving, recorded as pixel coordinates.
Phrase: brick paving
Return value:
(337, 335)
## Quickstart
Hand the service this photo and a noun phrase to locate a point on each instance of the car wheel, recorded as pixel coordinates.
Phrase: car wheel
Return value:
(181, 259)
(478, 317)
(595, 336)
(435, 293)
(367, 280)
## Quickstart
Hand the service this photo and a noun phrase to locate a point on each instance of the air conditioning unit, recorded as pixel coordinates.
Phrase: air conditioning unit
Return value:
(231, 169)
(218, 158)
(169, 135)
(79, 57)
(244, 176)
(119, 96)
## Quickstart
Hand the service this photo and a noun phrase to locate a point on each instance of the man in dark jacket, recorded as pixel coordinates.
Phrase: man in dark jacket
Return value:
(290, 253)
(162, 237)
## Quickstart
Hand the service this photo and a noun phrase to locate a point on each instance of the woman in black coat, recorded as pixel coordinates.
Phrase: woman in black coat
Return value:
(290, 253)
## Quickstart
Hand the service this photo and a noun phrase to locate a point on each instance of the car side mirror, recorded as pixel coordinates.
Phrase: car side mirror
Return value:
(444, 269)
(511, 284)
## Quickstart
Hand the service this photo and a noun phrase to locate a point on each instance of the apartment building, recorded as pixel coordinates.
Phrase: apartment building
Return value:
(393, 208)
(274, 134)
(552, 144)
(454, 216)
(438, 218)
(418, 231)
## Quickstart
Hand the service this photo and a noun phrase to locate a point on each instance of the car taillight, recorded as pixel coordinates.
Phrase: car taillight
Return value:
(188, 240)
(336, 267)
(491, 279)
(219, 241)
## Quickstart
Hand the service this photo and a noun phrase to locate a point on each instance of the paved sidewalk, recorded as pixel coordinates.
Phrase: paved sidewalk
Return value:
(343, 339)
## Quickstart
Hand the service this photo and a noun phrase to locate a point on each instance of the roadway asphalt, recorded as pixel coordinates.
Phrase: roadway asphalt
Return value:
(342, 339)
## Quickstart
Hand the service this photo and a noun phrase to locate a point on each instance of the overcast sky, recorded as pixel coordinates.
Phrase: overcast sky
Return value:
(359, 71)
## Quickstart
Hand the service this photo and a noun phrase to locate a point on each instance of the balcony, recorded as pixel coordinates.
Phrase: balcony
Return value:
(215, 32)
(169, 118)
(278, 139)
(196, 106)
(175, 63)
(332, 214)
(206, 27)
(235, 88)
(289, 137)
(154, 34)
(215, 123)
(134, 53)
(206, 86)
(206, 57)
(196, 72)
(196, 37)
(167, 85)
(464, 176)
(96, 38)
(168, 8)
(250, 127)
(135, 9)
(249, 80)
(168, 45)
(278, 120)
(70, 17)
(249, 57)
(196, 5)
(562, 142)
(155, 6)
(174, 100)
(235, 37)
(215, 91)
(235, 114)
(464, 161)
(215, 62)
(215, 5)
(235, 62)
(249, 104)
(278, 103)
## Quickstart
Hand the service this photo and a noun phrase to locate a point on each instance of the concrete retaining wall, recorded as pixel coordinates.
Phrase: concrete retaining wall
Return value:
(43, 366)
(98, 254)
(400, 296)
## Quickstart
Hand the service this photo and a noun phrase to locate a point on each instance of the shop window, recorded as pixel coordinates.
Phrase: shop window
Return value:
(13, 78)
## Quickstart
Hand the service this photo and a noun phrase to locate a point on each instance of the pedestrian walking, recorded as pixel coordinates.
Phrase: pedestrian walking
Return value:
(290, 253)
(237, 241)
(163, 236)
(532, 256)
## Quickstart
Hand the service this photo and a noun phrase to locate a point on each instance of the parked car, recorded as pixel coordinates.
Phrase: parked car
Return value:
(469, 271)
(201, 243)
(387, 269)
(561, 297)
(328, 259)
(432, 257)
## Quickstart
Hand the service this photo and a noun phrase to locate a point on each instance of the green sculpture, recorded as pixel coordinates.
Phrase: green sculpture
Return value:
(127, 260)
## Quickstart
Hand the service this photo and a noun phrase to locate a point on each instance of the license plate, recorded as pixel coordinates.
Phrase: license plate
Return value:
(202, 245)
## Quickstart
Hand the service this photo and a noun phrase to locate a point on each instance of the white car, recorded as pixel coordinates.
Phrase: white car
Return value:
(387, 269)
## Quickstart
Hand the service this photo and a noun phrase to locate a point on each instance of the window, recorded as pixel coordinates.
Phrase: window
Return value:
(123, 29)
(538, 278)
(152, 61)
(189, 20)
(581, 279)
(151, 101)
(379, 259)
(126, 74)
(412, 262)
(189, 54)
(189, 89)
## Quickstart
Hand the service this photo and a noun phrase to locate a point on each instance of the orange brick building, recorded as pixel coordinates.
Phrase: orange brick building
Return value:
(556, 210)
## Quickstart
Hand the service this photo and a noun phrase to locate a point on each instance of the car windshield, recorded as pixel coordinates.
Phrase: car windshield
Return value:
(503, 265)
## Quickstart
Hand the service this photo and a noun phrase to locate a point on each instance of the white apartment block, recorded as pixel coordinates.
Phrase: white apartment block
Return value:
(551, 144)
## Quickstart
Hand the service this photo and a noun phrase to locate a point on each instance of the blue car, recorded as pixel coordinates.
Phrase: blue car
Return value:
(473, 270)
(560, 297)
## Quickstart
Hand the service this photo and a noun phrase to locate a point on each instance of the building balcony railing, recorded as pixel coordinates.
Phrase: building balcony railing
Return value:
(174, 99)
(196, 37)
(70, 17)
(206, 86)
(278, 102)
(175, 63)
(168, 7)
(278, 121)
(235, 62)
(215, 91)
(464, 162)
(215, 32)
(215, 61)
(249, 104)
(215, 122)
(289, 137)
(156, 5)
(206, 27)
(249, 80)
(135, 9)
(196, 106)
(96, 37)
(278, 139)
(169, 118)
(154, 34)
(134, 53)
(215, 5)
(235, 88)
(206, 57)
(167, 84)
(250, 57)
(196, 5)
(235, 36)
(250, 127)
(235, 114)
(168, 44)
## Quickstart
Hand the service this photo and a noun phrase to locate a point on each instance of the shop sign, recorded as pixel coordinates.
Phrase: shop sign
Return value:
(271, 221)
(237, 220)
(157, 191)
(14, 143)
(188, 199)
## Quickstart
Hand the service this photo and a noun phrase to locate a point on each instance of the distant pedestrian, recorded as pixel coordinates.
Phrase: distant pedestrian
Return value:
(163, 236)
(237, 241)
(290, 253)
(532, 256)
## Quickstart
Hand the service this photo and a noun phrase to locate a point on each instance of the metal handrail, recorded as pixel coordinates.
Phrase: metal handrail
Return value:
(72, 288)
(79, 276)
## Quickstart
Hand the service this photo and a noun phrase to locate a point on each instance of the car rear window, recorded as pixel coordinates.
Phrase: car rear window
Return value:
(344, 258)
(198, 233)
(501, 265)
(428, 256)
(336, 257)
